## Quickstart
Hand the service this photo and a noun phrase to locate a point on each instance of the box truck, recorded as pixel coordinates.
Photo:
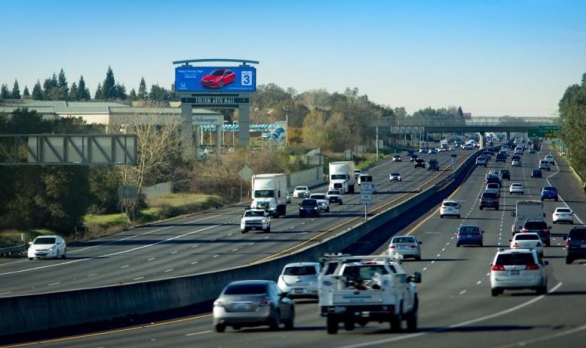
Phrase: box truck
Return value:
(269, 192)
(342, 176)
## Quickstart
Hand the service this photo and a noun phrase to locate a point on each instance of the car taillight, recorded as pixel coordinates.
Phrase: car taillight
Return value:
(265, 301)
(515, 245)
(412, 246)
(568, 243)
(498, 268)
(524, 230)
(459, 235)
(546, 231)
(392, 246)
(533, 267)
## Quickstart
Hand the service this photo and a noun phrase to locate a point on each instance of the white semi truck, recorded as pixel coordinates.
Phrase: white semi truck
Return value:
(526, 210)
(342, 176)
(359, 289)
(269, 192)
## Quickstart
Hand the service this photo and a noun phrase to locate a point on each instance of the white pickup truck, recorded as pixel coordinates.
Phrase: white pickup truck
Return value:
(359, 289)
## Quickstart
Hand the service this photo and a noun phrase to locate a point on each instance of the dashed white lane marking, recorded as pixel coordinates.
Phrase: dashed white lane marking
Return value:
(478, 282)
(139, 278)
(53, 284)
(93, 274)
(151, 259)
(193, 263)
(462, 292)
(198, 333)
(169, 270)
(5, 293)
(125, 266)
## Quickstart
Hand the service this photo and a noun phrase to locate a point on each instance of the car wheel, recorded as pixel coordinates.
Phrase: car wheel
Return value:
(349, 325)
(569, 260)
(220, 328)
(481, 244)
(412, 316)
(30, 258)
(290, 323)
(480, 207)
(397, 320)
(242, 231)
(64, 254)
(542, 290)
(236, 327)
(495, 292)
(555, 222)
(341, 202)
(328, 210)
(457, 245)
(275, 322)
(441, 216)
(458, 216)
(332, 326)
(268, 230)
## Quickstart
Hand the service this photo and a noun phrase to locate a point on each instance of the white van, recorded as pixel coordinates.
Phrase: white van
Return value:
(544, 164)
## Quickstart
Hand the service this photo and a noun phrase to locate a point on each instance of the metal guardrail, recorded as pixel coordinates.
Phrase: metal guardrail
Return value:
(13, 250)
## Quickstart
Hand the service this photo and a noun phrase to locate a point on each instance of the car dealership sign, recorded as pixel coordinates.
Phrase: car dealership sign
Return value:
(217, 79)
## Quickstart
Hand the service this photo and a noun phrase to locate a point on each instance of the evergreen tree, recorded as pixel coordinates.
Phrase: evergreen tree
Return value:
(63, 86)
(98, 95)
(109, 91)
(121, 92)
(142, 90)
(460, 112)
(15, 91)
(50, 88)
(132, 96)
(4, 92)
(37, 91)
(73, 92)
(83, 91)
(26, 93)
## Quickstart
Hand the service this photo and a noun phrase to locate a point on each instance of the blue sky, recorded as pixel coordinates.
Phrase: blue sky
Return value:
(492, 58)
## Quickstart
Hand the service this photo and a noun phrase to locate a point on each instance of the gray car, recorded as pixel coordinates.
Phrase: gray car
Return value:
(249, 303)
(406, 246)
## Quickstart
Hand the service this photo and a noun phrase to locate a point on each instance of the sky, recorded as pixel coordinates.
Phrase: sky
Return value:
(492, 58)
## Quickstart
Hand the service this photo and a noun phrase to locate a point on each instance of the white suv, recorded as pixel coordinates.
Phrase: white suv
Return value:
(514, 269)
(450, 208)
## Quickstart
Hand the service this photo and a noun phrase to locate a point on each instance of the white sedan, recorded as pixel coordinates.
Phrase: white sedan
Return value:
(395, 177)
(527, 240)
(563, 214)
(516, 188)
(301, 192)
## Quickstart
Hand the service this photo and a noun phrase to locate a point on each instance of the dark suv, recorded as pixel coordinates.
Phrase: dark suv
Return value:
(419, 163)
(537, 226)
(309, 206)
(501, 157)
(575, 244)
(505, 174)
(489, 200)
(433, 164)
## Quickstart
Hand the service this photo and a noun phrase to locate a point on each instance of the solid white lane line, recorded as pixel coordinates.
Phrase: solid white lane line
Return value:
(198, 333)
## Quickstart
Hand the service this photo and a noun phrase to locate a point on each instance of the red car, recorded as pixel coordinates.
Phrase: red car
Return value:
(218, 78)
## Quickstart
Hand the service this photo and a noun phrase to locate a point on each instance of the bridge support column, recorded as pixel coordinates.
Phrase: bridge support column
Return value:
(508, 136)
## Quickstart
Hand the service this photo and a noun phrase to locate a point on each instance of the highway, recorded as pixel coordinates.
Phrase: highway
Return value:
(456, 308)
(206, 242)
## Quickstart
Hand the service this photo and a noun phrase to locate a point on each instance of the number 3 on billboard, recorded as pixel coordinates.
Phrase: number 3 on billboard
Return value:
(246, 78)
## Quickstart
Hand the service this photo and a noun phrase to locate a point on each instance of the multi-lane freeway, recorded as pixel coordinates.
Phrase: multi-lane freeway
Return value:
(456, 309)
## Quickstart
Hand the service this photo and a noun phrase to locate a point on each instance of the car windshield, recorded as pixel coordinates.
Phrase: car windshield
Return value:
(301, 188)
(450, 204)
(254, 213)
(469, 229)
(526, 236)
(535, 225)
(333, 192)
(300, 270)
(515, 259)
(563, 210)
(45, 240)
(395, 174)
(401, 240)
(264, 193)
(309, 202)
(319, 196)
(246, 289)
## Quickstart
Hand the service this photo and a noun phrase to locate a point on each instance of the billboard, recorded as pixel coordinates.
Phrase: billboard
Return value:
(215, 79)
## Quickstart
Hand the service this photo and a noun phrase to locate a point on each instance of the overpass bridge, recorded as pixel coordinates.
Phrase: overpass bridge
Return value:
(480, 125)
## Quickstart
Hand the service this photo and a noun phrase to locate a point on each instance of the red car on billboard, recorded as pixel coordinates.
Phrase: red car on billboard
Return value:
(218, 78)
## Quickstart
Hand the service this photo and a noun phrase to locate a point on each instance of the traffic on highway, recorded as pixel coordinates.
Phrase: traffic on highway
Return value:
(486, 292)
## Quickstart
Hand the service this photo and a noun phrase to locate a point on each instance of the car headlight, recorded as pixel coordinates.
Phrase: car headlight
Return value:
(264, 221)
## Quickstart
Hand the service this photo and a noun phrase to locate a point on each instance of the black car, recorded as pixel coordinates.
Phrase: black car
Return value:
(433, 164)
(501, 157)
(505, 174)
(414, 157)
(540, 227)
(493, 179)
(575, 240)
(308, 206)
(489, 200)
(536, 173)
(419, 163)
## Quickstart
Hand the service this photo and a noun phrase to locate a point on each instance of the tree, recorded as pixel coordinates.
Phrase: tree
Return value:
(572, 109)
(37, 91)
(63, 86)
(142, 90)
(26, 93)
(4, 92)
(83, 91)
(73, 92)
(109, 91)
(98, 95)
(132, 96)
(15, 91)
(50, 88)
(159, 154)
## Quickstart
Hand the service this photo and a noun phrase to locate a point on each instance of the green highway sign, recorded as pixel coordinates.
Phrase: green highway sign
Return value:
(544, 132)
